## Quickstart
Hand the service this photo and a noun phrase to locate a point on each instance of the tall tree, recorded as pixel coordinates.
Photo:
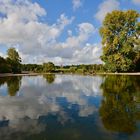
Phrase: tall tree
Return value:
(14, 60)
(13, 55)
(120, 33)
(48, 67)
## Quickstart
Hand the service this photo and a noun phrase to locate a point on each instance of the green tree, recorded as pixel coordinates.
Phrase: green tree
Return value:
(120, 33)
(48, 67)
(72, 69)
(137, 59)
(4, 67)
(14, 60)
(13, 55)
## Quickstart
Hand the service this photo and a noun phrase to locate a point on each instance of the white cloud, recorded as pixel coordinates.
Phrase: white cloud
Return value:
(76, 4)
(37, 41)
(27, 11)
(74, 50)
(136, 1)
(89, 54)
(85, 30)
(106, 7)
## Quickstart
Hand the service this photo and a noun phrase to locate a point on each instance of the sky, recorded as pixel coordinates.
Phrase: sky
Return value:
(64, 32)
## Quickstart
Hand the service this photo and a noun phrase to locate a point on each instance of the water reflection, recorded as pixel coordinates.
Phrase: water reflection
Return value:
(119, 109)
(70, 107)
(50, 78)
(13, 84)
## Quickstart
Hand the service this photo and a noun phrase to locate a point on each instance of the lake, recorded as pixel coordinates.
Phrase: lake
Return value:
(70, 107)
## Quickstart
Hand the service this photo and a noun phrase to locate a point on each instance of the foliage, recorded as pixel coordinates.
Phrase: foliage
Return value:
(48, 67)
(4, 66)
(32, 68)
(50, 78)
(120, 34)
(137, 62)
(13, 55)
(14, 60)
(119, 111)
(13, 84)
(81, 69)
(12, 63)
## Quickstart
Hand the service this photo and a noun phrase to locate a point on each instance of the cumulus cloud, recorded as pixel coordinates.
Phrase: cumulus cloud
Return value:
(106, 7)
(74, 50)
(136, 1)
(10, 7)
(37, 41)
(85, 30)
(76, 4)
(19, 28)
(92, 50)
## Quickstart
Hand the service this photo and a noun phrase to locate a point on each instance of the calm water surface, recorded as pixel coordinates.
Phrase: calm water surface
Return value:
(65, 107)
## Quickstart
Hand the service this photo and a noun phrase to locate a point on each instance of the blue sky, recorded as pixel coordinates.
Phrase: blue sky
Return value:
(61, 31)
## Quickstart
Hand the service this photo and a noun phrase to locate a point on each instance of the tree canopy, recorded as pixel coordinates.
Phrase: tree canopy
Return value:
(48, 67)
(13, 55)
(14, 60)
(12, 63)
(120, 34)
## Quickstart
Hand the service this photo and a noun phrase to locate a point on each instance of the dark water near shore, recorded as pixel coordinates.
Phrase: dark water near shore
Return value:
(66, 107)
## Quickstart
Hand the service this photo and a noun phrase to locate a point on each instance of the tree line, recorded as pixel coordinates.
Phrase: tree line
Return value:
(74, 69)
(12, 64)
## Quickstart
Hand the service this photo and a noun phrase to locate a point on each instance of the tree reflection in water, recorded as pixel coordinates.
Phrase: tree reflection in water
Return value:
(13, 84)
(119, 109)
(50, 78)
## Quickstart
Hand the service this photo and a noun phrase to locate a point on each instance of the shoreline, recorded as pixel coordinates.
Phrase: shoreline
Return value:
(20, 74)
(35, 74)
(135, 73)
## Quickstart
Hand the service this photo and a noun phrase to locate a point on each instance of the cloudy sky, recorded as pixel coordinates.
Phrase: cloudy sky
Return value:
(61, 31)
